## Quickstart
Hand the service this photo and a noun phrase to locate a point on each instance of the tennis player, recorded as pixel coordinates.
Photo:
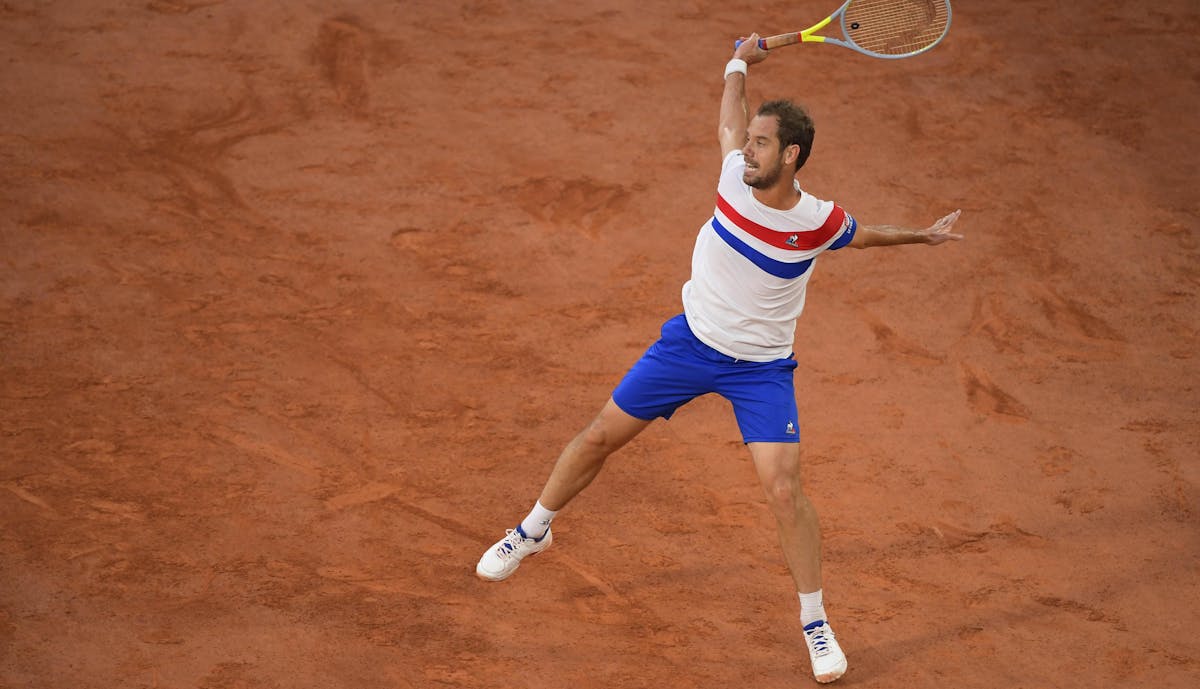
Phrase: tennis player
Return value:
(750, 268)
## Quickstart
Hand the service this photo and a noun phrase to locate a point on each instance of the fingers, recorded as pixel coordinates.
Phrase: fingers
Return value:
(948, 220)
(760, 53)
(944, 223)
(749, 50)
(940, 232)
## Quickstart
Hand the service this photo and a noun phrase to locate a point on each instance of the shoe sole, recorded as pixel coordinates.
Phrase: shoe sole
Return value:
(488, 577)
(833, 675)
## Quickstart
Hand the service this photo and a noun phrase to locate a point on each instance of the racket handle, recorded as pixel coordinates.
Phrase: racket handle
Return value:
(762, 43)
(776, 41)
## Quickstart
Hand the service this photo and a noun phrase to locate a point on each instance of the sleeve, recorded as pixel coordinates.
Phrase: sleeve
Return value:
(735, 158)
(849, 226)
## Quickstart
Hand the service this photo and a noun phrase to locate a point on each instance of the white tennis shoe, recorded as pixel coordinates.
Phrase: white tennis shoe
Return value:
(828, 661)
(502, 559)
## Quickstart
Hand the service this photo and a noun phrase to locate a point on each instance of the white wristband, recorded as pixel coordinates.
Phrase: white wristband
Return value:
(735, 65)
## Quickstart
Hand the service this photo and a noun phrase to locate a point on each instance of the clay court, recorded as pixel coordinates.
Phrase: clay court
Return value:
(299, 301)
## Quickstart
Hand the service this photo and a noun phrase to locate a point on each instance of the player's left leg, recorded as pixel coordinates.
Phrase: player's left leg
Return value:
(778, 466)
(764, 401)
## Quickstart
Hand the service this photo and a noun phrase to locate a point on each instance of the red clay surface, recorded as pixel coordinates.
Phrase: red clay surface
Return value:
(299, 301)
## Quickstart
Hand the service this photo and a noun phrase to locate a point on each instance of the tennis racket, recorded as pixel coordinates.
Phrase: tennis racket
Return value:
(888, 29)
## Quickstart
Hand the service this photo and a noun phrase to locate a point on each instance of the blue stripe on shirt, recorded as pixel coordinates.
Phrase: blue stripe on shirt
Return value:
(779, 269)
(847, 236)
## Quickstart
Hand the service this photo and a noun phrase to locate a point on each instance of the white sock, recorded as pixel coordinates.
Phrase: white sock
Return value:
(812, 608)
(538, 522)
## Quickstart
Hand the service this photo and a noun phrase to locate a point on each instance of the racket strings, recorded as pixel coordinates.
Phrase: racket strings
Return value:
(896, 27)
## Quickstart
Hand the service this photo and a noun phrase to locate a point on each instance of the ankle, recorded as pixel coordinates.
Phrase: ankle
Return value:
(812, 608)
(537, 522)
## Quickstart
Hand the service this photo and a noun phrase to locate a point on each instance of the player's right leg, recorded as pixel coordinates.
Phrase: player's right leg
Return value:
(584, 456)
(579, 463)
(668, 375)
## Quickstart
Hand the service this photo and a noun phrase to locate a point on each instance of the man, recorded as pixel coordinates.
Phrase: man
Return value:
(750, 269)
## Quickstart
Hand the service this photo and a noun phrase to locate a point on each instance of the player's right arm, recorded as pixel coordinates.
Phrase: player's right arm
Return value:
(735, 112)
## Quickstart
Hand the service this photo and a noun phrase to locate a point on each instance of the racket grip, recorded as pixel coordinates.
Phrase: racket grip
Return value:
(762, 43)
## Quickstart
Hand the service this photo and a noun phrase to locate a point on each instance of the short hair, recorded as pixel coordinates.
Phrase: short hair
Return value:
(795, 126)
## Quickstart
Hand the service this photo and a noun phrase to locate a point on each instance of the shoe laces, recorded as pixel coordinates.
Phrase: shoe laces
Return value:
(508, 546)
(819, 637)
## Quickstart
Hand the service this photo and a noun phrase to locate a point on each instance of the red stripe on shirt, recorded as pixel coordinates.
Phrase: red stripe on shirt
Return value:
(791, 241)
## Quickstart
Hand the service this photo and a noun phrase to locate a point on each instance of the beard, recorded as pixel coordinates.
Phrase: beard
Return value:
(766, 177)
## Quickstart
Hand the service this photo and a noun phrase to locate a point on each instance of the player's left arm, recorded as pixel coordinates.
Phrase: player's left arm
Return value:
(867, 236)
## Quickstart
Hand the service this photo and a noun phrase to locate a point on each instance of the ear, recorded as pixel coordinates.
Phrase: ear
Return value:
(791, 154)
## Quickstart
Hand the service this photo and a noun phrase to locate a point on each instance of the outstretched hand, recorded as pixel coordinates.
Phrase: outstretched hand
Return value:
(939, 232)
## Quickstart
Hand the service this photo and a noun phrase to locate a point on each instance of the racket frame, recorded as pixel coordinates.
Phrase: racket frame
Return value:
(808, 36)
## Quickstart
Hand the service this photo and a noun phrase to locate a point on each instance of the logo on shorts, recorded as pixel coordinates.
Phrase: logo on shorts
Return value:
(793, 240)
(791, 428)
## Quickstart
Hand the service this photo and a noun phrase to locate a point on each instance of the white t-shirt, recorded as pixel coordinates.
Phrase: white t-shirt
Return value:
(751, 266)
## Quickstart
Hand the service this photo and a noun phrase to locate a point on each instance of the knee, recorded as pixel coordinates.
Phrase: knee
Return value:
(595, 440)
(785, 495)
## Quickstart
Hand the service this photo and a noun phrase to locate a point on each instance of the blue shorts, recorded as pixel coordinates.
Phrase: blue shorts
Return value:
(679, 368)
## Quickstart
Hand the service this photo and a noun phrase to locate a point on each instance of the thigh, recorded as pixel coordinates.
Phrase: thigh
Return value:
(776, 462)
(670, 374)
(763, 396)
(613, 427)
(657, 385)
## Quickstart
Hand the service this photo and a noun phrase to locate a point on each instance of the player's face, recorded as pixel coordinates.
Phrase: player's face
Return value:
(764, 160)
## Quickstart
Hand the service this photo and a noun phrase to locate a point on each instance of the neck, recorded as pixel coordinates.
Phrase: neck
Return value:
(782, 195)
